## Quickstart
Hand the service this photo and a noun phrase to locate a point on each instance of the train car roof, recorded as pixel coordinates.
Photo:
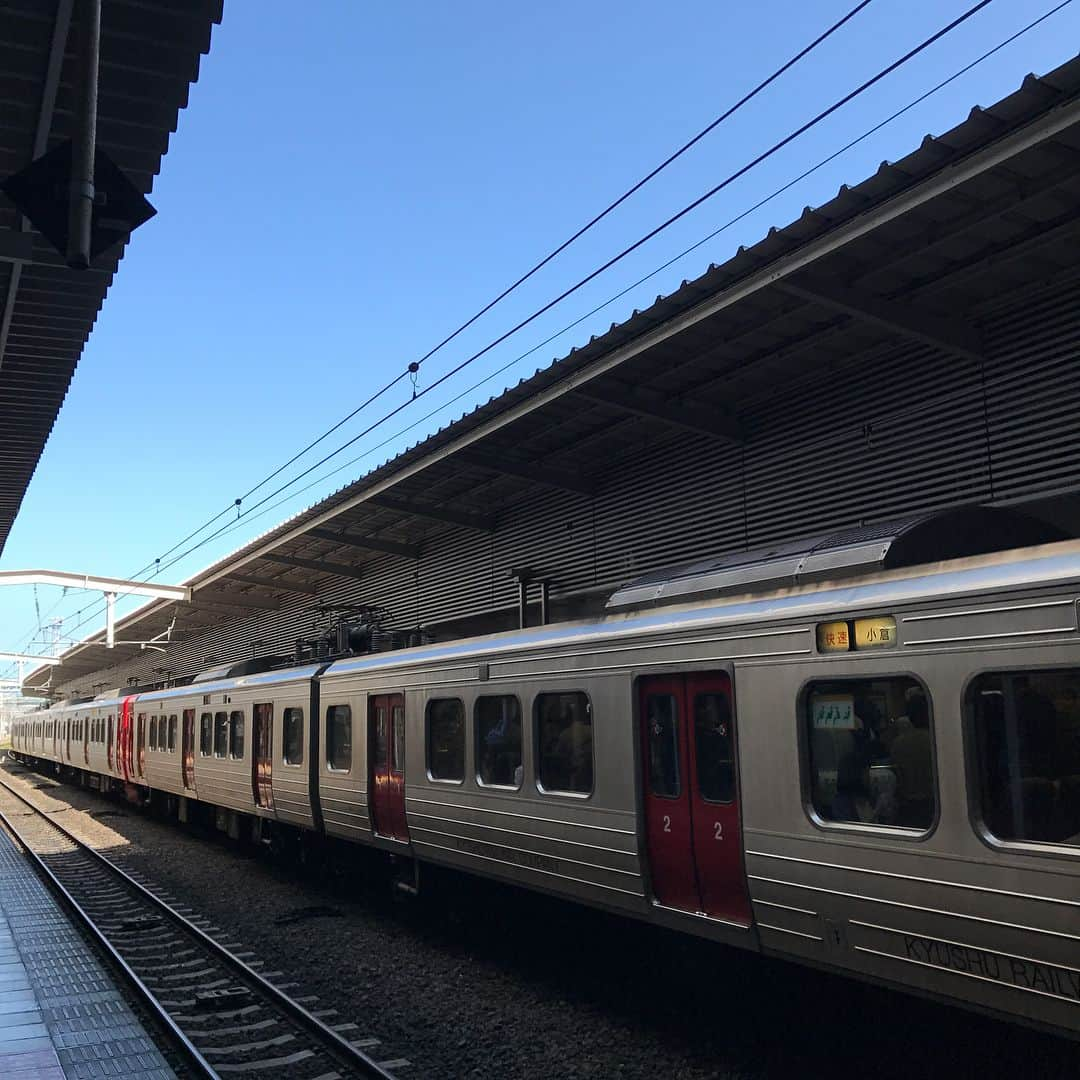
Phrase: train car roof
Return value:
(1043, 565)
(262, 678)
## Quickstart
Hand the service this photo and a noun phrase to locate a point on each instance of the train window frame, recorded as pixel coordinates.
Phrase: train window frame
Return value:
(455, 781)
(480, 782)
(285, 720)
(237, 726)
(895, 832)
(1038, 848)
(221, 716)
(330, 767)
(538, 757)
(206, 746)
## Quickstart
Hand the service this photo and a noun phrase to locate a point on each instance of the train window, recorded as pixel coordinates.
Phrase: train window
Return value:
(662, 716)
(498, 741)
(339, 738)
(172, 733)
(870, 750)
(153, 732)
(206, 734)
(446, 739)
(1026, 728)
(221, 734)
(293, 740)
(236, 734)
(110, 740)
(714, 749)
(564, 742)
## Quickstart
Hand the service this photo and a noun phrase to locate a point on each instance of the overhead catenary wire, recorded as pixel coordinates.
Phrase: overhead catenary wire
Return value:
(786, 140)
(596, 219)
(712, 192)
(555, 252)
(246, 514)
(232, 526)
(390, 439)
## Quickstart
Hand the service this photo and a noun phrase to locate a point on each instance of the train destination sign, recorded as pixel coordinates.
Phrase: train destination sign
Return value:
(833, 637)
(876, 632)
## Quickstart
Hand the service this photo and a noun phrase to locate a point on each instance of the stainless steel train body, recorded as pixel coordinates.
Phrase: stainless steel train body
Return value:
(465, 754)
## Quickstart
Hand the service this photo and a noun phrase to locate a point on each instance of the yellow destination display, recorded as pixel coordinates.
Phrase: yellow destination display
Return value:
(833, 637)
(876, 633)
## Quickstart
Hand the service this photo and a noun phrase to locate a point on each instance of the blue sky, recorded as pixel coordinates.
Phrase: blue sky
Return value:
(351, 181)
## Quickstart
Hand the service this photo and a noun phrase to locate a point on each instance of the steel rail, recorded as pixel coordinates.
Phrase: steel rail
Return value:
(145, 995)
(334, 1043)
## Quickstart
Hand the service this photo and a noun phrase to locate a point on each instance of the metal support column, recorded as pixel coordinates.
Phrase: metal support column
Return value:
(81, 206)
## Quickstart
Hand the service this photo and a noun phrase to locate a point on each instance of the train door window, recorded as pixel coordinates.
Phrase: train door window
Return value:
(498, 741)
(187, 751)
(206, 734)
(339, 738)
(1026, 730)
(661, 716)
(236, 734)
(714, 748)
(397, 746)
(293, 740)
(446, 740)
(870, 752)
(172, 733)
(221, 734)
(564, 743)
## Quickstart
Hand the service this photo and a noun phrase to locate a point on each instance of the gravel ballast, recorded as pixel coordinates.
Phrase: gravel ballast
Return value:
(475, 979)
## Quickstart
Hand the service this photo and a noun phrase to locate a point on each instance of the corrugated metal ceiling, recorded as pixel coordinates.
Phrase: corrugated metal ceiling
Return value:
(150, 53)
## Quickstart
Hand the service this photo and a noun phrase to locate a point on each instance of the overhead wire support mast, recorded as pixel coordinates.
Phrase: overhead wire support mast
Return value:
(111, 587)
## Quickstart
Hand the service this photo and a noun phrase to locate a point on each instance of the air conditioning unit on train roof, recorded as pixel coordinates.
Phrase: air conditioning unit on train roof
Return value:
(922, 538)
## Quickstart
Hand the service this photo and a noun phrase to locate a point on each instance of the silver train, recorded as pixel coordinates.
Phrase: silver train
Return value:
(878, 776)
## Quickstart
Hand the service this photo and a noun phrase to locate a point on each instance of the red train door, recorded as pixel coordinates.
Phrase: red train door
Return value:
(262, 756)
(187, 750)
(123, 738)
(690, 795)
(386, 768)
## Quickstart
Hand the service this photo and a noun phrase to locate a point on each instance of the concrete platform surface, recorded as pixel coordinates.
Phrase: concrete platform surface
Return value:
(62, 1016)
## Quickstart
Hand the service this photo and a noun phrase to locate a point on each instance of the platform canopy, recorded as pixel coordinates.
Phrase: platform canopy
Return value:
(149, 56)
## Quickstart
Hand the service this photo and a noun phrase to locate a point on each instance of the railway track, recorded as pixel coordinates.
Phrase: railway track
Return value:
(224, 1018)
